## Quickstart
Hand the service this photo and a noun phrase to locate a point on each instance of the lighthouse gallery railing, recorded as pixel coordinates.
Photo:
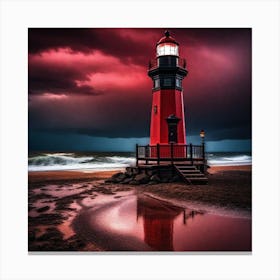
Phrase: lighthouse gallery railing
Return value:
(154, 63)
(170, 152)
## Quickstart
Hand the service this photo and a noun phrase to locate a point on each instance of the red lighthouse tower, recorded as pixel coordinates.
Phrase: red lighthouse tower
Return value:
(167, 72)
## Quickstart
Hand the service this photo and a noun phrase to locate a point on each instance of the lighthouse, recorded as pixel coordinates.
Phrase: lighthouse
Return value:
(168, 151)
(167, 72)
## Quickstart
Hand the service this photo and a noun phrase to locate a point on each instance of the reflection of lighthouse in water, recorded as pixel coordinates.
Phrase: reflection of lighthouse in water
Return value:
(158, 219)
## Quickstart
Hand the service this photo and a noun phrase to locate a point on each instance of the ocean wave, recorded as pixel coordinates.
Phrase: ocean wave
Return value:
(110, 161)
(72, 161)
(118, 159)
(238, 158)
(57, 159)
(230, 160)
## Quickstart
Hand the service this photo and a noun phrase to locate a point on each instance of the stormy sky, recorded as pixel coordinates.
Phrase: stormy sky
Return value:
(88, 89)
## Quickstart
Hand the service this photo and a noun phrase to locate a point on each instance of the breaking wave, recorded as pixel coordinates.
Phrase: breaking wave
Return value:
(113, 161)
(214, 159)
(72, 161)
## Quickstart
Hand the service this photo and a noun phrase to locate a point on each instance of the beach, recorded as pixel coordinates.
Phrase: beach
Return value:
(61, 201)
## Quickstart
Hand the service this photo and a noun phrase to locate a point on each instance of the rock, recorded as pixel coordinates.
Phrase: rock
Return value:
(155, 178)
(121, 177)
(142, 178)
(175, 178)
(127, 180)
(154, 171)
(116, 178)
(135, 170)
(129, 171)
(117, 175)
(164, 180)
(153, 183)
(133, 182)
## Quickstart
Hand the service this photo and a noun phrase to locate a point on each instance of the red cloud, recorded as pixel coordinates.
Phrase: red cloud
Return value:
(95, 80)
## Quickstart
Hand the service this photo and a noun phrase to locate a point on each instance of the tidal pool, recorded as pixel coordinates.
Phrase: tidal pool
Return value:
(143, 223)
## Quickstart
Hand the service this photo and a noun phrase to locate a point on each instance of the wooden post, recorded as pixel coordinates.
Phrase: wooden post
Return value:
(137, 155)
(203, 156)
(203, 151)
(172, 153)
(158, 155)
(147, 153)
(191, 153)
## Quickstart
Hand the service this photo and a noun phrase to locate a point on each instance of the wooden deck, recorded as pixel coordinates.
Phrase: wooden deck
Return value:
(188, 161)
(170, 154)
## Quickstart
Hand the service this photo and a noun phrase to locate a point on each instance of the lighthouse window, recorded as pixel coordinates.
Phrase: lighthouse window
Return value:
(173, 50)
(160, 50)
(156, 83)
(167, 82)
(155, 109)
(167, 49)
(178, 82)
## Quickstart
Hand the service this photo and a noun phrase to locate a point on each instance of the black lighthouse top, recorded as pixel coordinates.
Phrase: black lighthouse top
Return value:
(167, 70)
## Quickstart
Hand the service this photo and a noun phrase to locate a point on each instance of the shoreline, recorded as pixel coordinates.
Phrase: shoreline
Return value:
(93, 174)
(228, 186)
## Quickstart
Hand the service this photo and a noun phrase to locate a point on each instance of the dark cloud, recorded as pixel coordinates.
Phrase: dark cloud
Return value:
(44, 78)
(113, 41)
(68, 67)
(126, 41)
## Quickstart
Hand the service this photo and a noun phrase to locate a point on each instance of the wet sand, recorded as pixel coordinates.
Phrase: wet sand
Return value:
(215, 169)
(143, 223)
(61, 201)
(228, 187)
(67, 176)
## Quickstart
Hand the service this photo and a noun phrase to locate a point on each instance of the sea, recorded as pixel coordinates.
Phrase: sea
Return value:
(102, 161)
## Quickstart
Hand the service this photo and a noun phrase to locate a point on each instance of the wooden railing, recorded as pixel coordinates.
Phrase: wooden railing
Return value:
(170, 152)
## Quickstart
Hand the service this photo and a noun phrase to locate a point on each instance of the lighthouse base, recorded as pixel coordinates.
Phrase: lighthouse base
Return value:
(156, 174)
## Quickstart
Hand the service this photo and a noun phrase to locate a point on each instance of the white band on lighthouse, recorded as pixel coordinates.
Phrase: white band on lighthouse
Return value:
(167, 49)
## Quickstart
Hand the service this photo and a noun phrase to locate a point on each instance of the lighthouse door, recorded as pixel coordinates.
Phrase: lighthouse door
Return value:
(172, 133)
(172, 122)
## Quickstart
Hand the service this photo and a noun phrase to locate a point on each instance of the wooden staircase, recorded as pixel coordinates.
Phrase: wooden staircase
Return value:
(191, 174)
